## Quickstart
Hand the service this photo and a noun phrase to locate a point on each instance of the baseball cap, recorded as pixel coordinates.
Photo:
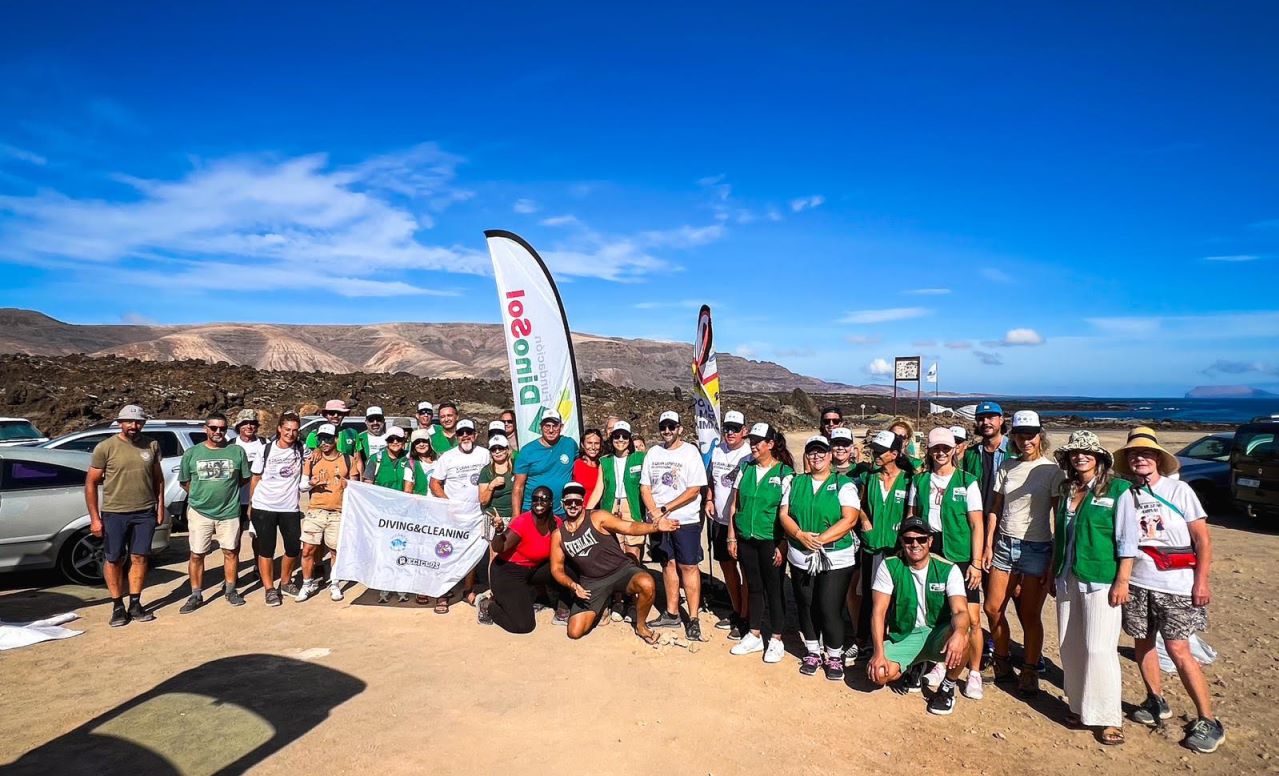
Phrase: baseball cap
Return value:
(335, 405)
(573, 489)
(465, 424)
(419, 435)
(131, 412)
(498, 440)
(988, 408)
(762, 431)
(941, 436)
(841, 434)
(245, 416)
(551, 415)
(621, 425)
(498, 426)
(884, 441)
(374, 412)
(959, 432)
(913, 525)
(1026, 421)
(426, 406)
(817, 440)
(326, 429)
(733, 416)
(671, 415)
(395, 431)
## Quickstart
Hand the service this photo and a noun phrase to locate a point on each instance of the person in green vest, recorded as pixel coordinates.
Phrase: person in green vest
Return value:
(417, 470)
(444, 433)
(949, 501)
(919, 614)
(386, 469)
(1091, 568)
(756, 540)
(883, 495)
(621, 469)
(910, 448)
(818, 513)
(334, 411)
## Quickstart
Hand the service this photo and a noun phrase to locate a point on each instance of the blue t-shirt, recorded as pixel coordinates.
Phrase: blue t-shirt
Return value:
(550, 466)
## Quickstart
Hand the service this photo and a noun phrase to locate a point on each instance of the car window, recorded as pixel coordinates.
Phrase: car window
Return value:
(17, 430)
(198, 437)
(84, 444)
(1209, 449)
(30, 475)
(170, 447)
(1257, 445)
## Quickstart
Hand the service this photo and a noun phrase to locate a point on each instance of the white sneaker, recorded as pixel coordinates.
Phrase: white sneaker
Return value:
(972, 688)
(750, 643)
(935, 676)
(307, 589)
(335, 591)
(776, 650)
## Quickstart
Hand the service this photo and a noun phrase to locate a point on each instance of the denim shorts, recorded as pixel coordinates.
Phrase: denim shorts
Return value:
(1018, 556)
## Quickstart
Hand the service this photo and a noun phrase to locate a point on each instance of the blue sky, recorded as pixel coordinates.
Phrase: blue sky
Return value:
(1043, 199)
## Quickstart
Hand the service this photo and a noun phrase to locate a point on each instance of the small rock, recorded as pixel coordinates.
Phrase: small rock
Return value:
(1000, 736)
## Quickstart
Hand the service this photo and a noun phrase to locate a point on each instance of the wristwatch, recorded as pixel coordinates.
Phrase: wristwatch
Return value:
(665, 510)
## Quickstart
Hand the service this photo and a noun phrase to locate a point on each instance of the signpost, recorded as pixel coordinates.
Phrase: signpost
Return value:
(906, 370)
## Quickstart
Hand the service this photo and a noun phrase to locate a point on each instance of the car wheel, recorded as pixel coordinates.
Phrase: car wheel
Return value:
(81, 559)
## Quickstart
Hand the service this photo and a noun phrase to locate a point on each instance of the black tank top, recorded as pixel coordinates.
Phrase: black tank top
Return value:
(595, 555)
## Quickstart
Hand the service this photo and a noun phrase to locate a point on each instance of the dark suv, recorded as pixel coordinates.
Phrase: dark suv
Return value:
(1254, 467)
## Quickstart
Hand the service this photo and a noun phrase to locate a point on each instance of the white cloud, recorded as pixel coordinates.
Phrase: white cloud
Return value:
(1237, 258)
(959, 345)
(745, 351)
(567, 220)
(524, 206)
(806, 203)
(997, 275)
(989, 359)
(885, 315)
(1022, 337)
(879, 367)
(684, 236)
(929, 291)
(22, 155)
(1211, 326)
(682, 304)
(861, 339)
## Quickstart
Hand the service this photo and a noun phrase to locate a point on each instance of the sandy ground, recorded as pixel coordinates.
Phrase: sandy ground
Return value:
(325, 687)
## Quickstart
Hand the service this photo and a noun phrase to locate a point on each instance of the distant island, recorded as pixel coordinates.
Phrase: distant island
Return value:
(1228, 392)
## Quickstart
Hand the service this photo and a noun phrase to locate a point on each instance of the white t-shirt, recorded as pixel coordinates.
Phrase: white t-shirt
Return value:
(460, 473)
(839, 559)
(1028, 488)
(937, 492)
(253, 451)
(668, 472)
(377, 443)
(427, 467)
(1154, 524)
(725, 464)
(281, 471)
(954, 587)
(619, 477)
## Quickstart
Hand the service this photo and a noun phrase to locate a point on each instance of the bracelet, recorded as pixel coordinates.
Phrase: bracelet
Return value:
(732, 541)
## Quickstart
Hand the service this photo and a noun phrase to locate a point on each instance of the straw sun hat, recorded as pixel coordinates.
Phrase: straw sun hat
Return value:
(1143, 438)
(1082, 442)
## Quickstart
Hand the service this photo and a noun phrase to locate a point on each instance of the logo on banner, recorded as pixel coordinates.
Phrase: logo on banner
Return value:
(399, 544)
(443, 549)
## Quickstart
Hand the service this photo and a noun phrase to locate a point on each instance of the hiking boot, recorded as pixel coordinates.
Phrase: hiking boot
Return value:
(1152, 712)
(1004, 673)
(194, 601)
(943, 701)
(290, 589)
(119, 617)
(834, 668)
(234, 598)
(693, 630)
(273, 597)
(724, 623)
(808, 664)
(1204, 736)
(666, 620)
(136, 612)
(1028, 682)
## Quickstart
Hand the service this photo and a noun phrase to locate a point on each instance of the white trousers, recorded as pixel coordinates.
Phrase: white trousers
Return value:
(1088, 630)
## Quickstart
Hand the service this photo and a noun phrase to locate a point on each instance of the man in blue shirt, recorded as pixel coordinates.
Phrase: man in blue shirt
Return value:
(548, 461)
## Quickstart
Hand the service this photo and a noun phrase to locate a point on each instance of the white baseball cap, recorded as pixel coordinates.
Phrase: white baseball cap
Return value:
(1026, 421)
(419, 435)
(884, 441)
(497, 425)
(841, 434)
(326, 429)
(668, 415)
(394, 431)
(733, 416)
(817, 440)
(550, 415)
(426, 406)
(498, 440)
(621, 425)
(465, 424)
(959, 432)
(374, 411)
(762, 431)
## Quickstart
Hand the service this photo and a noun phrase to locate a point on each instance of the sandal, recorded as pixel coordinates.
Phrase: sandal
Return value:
(424, 600)
(441, 605)
(1111, 736)
(651, 639)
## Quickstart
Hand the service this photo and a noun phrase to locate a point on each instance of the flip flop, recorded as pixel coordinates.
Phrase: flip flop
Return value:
(651, 639)
(424, 600)
(441, 606)
(1111, 736)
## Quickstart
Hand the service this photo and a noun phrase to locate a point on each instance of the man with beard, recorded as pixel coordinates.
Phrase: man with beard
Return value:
(372, 440)
(456, 477)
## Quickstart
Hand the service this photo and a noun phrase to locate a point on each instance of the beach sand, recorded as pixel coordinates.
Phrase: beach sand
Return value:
(354, 687)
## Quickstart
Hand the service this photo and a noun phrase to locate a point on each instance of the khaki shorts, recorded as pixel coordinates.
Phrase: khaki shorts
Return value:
(630, 541)
(321, 526)
(202, 531)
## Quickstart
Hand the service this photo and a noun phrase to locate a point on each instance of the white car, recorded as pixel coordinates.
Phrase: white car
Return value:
(175, 437)
(43, 519)
(19, 431)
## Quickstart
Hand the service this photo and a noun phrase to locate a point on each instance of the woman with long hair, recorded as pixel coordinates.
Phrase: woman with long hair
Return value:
(755, 538)
(905, 430)
(417, 476)
(1092, 572)
(586, 469)
(1019, 546)
(620, 494)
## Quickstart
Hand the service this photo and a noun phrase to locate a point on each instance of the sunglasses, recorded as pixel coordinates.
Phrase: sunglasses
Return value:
(830, 421)
(621, 435)
(330, 413)
(495, 448)
(942, 449)
(422, 442)
(732, 428)
(466, 432)
(397, 440)
(325, 438)
(542, 498)
(916, 539)
(816, 452)
(667, 426)
(216, 428)
(573, 502)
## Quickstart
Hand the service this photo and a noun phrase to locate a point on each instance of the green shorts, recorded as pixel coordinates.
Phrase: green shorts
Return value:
(919, 645)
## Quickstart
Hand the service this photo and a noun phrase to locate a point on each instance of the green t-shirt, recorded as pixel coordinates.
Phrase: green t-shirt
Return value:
(128, 483)
(214, 477)
(501, 501)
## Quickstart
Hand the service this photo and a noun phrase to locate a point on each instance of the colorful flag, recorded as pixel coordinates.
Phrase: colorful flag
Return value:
(706, 384)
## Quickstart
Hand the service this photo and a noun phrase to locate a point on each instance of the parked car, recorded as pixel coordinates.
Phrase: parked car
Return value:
(19, 431)
(43, 520)
(1205, 466)
(175, 437)
(1254, 467)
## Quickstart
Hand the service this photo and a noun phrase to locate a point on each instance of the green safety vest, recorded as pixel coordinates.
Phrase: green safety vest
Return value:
(630, 483)
(344, 443)
(815, 512)
(971, 462)
(421, 478)
(957, 534)
(884, 516)
(388, 471)
(758, 501)
(905, 603)
(440, 443)
(1095, 559)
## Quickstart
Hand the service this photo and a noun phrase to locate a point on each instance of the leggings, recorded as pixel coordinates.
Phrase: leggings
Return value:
(513, 593)
(821, 600)
(764, 581)
(868, 562)
(265, 524)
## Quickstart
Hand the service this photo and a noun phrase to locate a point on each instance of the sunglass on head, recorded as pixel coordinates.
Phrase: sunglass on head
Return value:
(216, 428)
(915, 540)
(667, 426)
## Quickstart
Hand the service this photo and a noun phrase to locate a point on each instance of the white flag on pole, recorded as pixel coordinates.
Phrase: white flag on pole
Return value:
(932, 373)
(391, 540)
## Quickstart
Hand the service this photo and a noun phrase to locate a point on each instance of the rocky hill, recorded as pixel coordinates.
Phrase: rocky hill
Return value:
(432, 350)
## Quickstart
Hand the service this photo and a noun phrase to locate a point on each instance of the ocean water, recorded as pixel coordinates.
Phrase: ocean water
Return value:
(1187, 410)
